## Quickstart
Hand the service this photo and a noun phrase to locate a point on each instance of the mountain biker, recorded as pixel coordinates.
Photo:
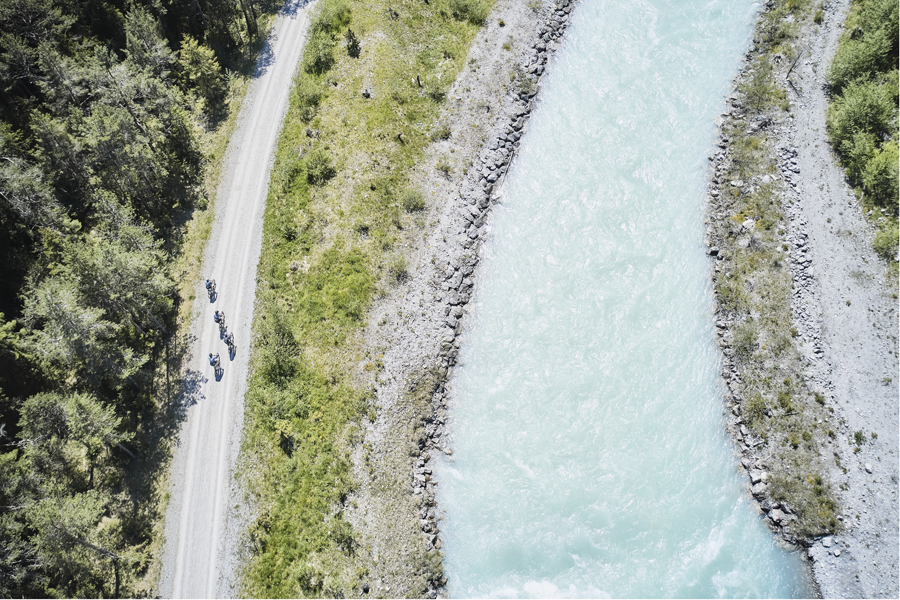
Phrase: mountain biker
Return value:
(229, 340)
(213, 359)
(219, 317)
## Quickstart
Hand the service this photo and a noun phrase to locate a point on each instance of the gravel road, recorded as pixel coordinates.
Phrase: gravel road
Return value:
(195, 562)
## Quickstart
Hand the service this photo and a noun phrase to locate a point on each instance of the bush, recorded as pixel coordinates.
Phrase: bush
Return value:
(332, 17)
(307, 96)
(413, 201)
(886, 241)
(869, 47)
(353, 47)
(755, 410)
(760, 89)
(473, 11)
(880, 176)
(318, 167)
(399, 269)
(865, 106)
(856, 152)
(319, 53)
(441, 133)
(745, 340)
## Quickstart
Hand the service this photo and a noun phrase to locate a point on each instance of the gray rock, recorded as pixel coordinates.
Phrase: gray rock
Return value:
(759, 489)
(757, 475)
(827, 541)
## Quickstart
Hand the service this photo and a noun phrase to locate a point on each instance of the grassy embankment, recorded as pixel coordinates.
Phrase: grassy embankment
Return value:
(753, 286)
(862, 118)
(363, 108)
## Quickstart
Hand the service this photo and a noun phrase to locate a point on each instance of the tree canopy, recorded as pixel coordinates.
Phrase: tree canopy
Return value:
(101, 106)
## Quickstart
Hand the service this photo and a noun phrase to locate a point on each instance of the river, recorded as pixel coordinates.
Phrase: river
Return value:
(589, 452)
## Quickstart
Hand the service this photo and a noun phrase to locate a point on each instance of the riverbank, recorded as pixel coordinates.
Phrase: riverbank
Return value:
(412, 332)
(807, 314)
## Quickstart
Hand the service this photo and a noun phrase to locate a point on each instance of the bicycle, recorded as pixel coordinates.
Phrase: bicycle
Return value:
(211, 288)
(216, 364)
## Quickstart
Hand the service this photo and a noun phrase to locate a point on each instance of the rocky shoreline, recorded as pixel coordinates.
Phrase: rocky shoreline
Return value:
(845, 362)
(413, 332)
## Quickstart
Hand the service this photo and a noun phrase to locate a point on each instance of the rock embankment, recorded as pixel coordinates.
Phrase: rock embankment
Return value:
(413, 332)
(834, 422)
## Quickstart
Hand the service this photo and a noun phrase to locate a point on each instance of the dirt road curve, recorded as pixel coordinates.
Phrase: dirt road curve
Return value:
(194, 549)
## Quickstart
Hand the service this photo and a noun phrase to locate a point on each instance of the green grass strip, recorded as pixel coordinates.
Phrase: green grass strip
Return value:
(363, 109)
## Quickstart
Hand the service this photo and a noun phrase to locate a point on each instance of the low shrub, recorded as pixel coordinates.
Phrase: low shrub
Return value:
(760, 90)
(307, 96)
(864, 107)
(880, 177)
(473, 11)
(399, 269)
(319, 55)
(886, 240)
(746, 337)
(862, 119)
(755, 410)
(869, 47)
(331, 17)
(413, 201)
(441, 133)
(318, 166)
(353, 47)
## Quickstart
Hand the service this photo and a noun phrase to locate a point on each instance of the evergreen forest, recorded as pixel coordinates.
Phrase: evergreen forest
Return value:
(103, 109)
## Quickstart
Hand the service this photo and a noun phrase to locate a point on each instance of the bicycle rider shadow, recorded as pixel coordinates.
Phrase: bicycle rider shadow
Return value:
(213, 296)
(219, 372)
(231, 353)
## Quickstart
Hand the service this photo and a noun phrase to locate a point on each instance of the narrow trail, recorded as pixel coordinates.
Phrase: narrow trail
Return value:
(195, 557)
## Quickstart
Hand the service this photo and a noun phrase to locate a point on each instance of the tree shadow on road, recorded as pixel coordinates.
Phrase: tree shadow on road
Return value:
(290, 10)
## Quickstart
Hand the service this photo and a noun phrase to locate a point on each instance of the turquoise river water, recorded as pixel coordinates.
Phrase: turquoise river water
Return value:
(589, 453)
